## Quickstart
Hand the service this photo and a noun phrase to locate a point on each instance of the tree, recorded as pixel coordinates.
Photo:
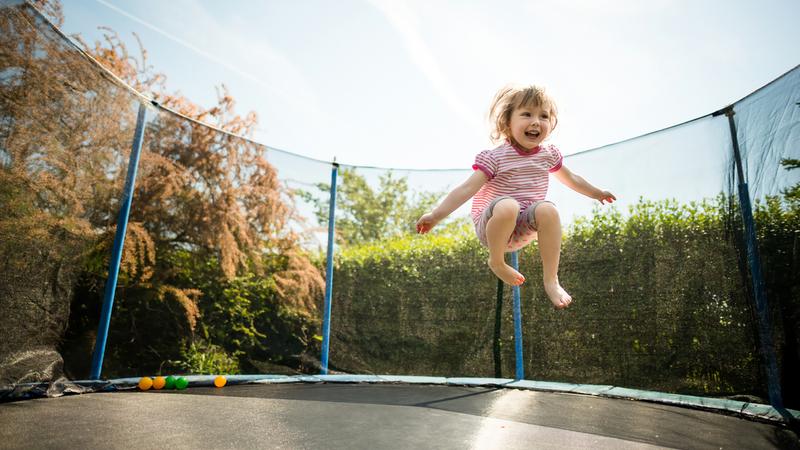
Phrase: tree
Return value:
(204, 198)
(206, 195)
(366, 214)
(61, 127)
(792, 194)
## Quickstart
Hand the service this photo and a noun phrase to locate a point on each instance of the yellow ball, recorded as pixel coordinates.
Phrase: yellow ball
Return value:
(220, 381)
(145, 383)
(159, 383)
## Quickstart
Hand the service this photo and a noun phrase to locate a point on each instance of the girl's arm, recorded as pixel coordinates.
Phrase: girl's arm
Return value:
(578, 184)
(454, 199)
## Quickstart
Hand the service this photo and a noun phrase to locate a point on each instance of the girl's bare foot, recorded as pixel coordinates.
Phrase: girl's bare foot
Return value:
(506, 273)
(560, 298)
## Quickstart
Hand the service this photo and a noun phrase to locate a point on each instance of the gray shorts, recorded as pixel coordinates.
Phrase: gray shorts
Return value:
(525, 231)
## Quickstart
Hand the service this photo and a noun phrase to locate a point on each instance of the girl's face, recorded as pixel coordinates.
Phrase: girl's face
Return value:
(530, 126)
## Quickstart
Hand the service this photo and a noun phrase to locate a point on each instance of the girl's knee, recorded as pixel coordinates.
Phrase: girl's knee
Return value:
(507, 207)
(546, 212)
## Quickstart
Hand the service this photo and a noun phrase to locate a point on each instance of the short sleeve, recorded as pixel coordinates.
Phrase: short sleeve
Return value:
(555, 159)
(486, 163)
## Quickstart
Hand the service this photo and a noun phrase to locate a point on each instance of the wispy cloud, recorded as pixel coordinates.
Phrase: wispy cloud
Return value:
(407, 24)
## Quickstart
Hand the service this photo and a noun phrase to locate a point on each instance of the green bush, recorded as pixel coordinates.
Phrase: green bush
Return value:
(248, 318)
(661, 302)
(209, 359)
(243, 322)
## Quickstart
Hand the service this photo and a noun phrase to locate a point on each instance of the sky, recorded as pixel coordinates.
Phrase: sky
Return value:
(407, 84)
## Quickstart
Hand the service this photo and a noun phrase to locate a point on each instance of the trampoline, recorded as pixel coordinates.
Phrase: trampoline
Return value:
(673, 343)
(374, 412)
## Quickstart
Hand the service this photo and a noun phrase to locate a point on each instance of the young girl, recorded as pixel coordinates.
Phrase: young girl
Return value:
(509, 186)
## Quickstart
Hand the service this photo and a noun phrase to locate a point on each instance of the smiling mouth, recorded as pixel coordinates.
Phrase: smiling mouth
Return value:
(532, 134)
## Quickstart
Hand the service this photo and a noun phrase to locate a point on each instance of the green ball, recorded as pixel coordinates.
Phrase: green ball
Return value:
(170, 382)
(181, 383)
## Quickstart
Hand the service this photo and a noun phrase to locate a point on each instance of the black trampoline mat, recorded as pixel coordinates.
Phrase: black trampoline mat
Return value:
(304, 415)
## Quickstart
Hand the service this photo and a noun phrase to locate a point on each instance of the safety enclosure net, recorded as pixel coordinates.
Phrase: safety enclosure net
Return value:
(223, 269)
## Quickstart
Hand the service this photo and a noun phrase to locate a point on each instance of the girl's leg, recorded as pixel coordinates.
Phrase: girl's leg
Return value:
(498, 231)
(548, 224)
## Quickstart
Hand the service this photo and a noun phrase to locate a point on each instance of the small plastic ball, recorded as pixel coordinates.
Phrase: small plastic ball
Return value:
(159, 382)
(145, 383)
(181, 383)
(169, 383)
(220, 381)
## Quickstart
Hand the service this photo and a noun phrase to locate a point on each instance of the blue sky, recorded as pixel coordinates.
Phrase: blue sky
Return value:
(407, 84)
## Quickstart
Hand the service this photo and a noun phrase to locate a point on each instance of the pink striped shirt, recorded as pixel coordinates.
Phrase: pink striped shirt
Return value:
(515, 173)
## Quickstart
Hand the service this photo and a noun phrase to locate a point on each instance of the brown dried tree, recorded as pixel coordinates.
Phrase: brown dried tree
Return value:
(66, 126)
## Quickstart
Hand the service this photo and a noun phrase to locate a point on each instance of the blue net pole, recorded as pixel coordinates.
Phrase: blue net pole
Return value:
(326, 320)
(119, 241)
(520, 373)
(754, 261)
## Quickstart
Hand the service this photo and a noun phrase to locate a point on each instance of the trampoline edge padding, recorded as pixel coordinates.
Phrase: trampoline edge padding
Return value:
(720, 405)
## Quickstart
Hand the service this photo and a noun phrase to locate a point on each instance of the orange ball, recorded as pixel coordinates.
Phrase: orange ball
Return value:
(159, 383)
(145, 383)
(220, 381)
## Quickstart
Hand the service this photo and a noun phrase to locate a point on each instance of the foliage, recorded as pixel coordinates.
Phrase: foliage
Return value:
(792, 194)
(59, 135)
(204, 358)
(661, 302)
(365, 213)
(247, 315)
(52, 9)
(778, 234)
(211, 197)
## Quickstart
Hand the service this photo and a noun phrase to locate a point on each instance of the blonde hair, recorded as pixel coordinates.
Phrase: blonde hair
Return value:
(511, 97)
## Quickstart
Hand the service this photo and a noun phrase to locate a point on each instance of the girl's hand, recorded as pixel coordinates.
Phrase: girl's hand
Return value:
(605, 196)
(425, 223)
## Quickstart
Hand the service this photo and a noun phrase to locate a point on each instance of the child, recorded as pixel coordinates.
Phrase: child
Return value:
(509, 186)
